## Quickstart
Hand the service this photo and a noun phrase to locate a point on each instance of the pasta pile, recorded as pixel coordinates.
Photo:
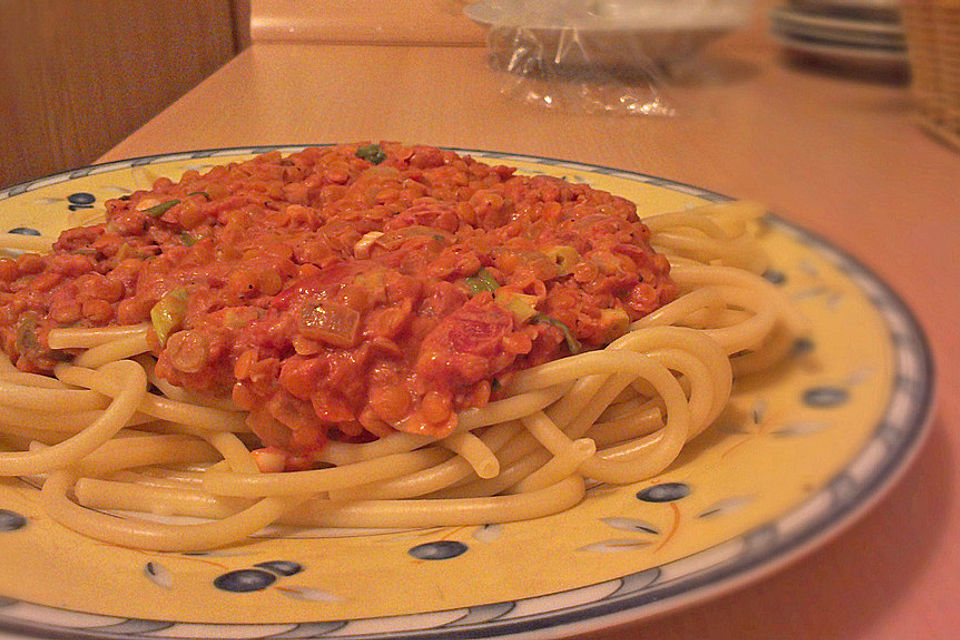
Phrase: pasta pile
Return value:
(108, 434)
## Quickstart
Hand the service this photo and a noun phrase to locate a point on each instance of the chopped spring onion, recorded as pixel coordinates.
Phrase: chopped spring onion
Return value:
(27, 333)
(201, 193)
(372, 153)
(168, 314)
(187, 239)
(158, 210)
(481, 282)
(572, 343)
(522, 306)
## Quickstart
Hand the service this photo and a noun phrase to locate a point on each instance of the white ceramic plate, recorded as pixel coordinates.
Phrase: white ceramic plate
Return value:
(843, 54)
(803, 18)
(848, 38)
(878, 10)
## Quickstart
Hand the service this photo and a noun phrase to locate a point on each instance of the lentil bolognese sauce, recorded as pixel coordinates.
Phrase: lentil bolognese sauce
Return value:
(366, 303)
(345, 295)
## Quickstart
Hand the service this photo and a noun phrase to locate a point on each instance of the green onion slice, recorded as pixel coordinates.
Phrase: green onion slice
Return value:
(158, 210)
(481, 282)
(572, 343)
(372, 153)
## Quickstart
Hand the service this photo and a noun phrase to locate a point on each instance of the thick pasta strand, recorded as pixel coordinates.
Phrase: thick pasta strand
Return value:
(155, 536)
(157, 406)
(150, 498)
(472, 449)
(33, 434)
(157, 449)
(71, 422)
(452, 512)
(630, 427)
(89, 338)
(305, 482)
(120, 349)
(558, 467)
(45, 400)
(107, 425)
(433, 479)
(710, 234)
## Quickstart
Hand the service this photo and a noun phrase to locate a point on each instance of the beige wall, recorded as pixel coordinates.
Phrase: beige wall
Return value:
(77, 76)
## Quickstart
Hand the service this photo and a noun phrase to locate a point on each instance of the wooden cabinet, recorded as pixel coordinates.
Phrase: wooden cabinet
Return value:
(78, 76)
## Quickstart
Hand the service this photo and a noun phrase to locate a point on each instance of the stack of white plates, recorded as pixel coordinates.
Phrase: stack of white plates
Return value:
(607, 32)
(844, 31)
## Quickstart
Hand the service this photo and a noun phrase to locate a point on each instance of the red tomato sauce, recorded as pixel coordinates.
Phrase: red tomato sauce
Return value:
(345, 292)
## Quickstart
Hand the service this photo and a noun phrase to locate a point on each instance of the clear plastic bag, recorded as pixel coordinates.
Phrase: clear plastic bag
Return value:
(600, 56)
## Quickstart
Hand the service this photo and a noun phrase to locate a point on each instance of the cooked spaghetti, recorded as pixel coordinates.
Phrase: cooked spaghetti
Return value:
(368, 336)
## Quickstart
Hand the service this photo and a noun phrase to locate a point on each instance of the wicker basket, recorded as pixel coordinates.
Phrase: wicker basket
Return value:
(932, 30)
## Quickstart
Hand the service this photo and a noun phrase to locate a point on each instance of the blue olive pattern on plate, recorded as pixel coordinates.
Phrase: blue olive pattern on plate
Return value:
(80, 200)
(24, 231)
(281, 567)
(664, 492)
(268, 575)
(439, 550)
(11, 520)
(825, 397)
(244, 580)
(258, 577)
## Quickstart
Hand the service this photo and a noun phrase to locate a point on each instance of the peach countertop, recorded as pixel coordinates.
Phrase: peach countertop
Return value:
(836, 155)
